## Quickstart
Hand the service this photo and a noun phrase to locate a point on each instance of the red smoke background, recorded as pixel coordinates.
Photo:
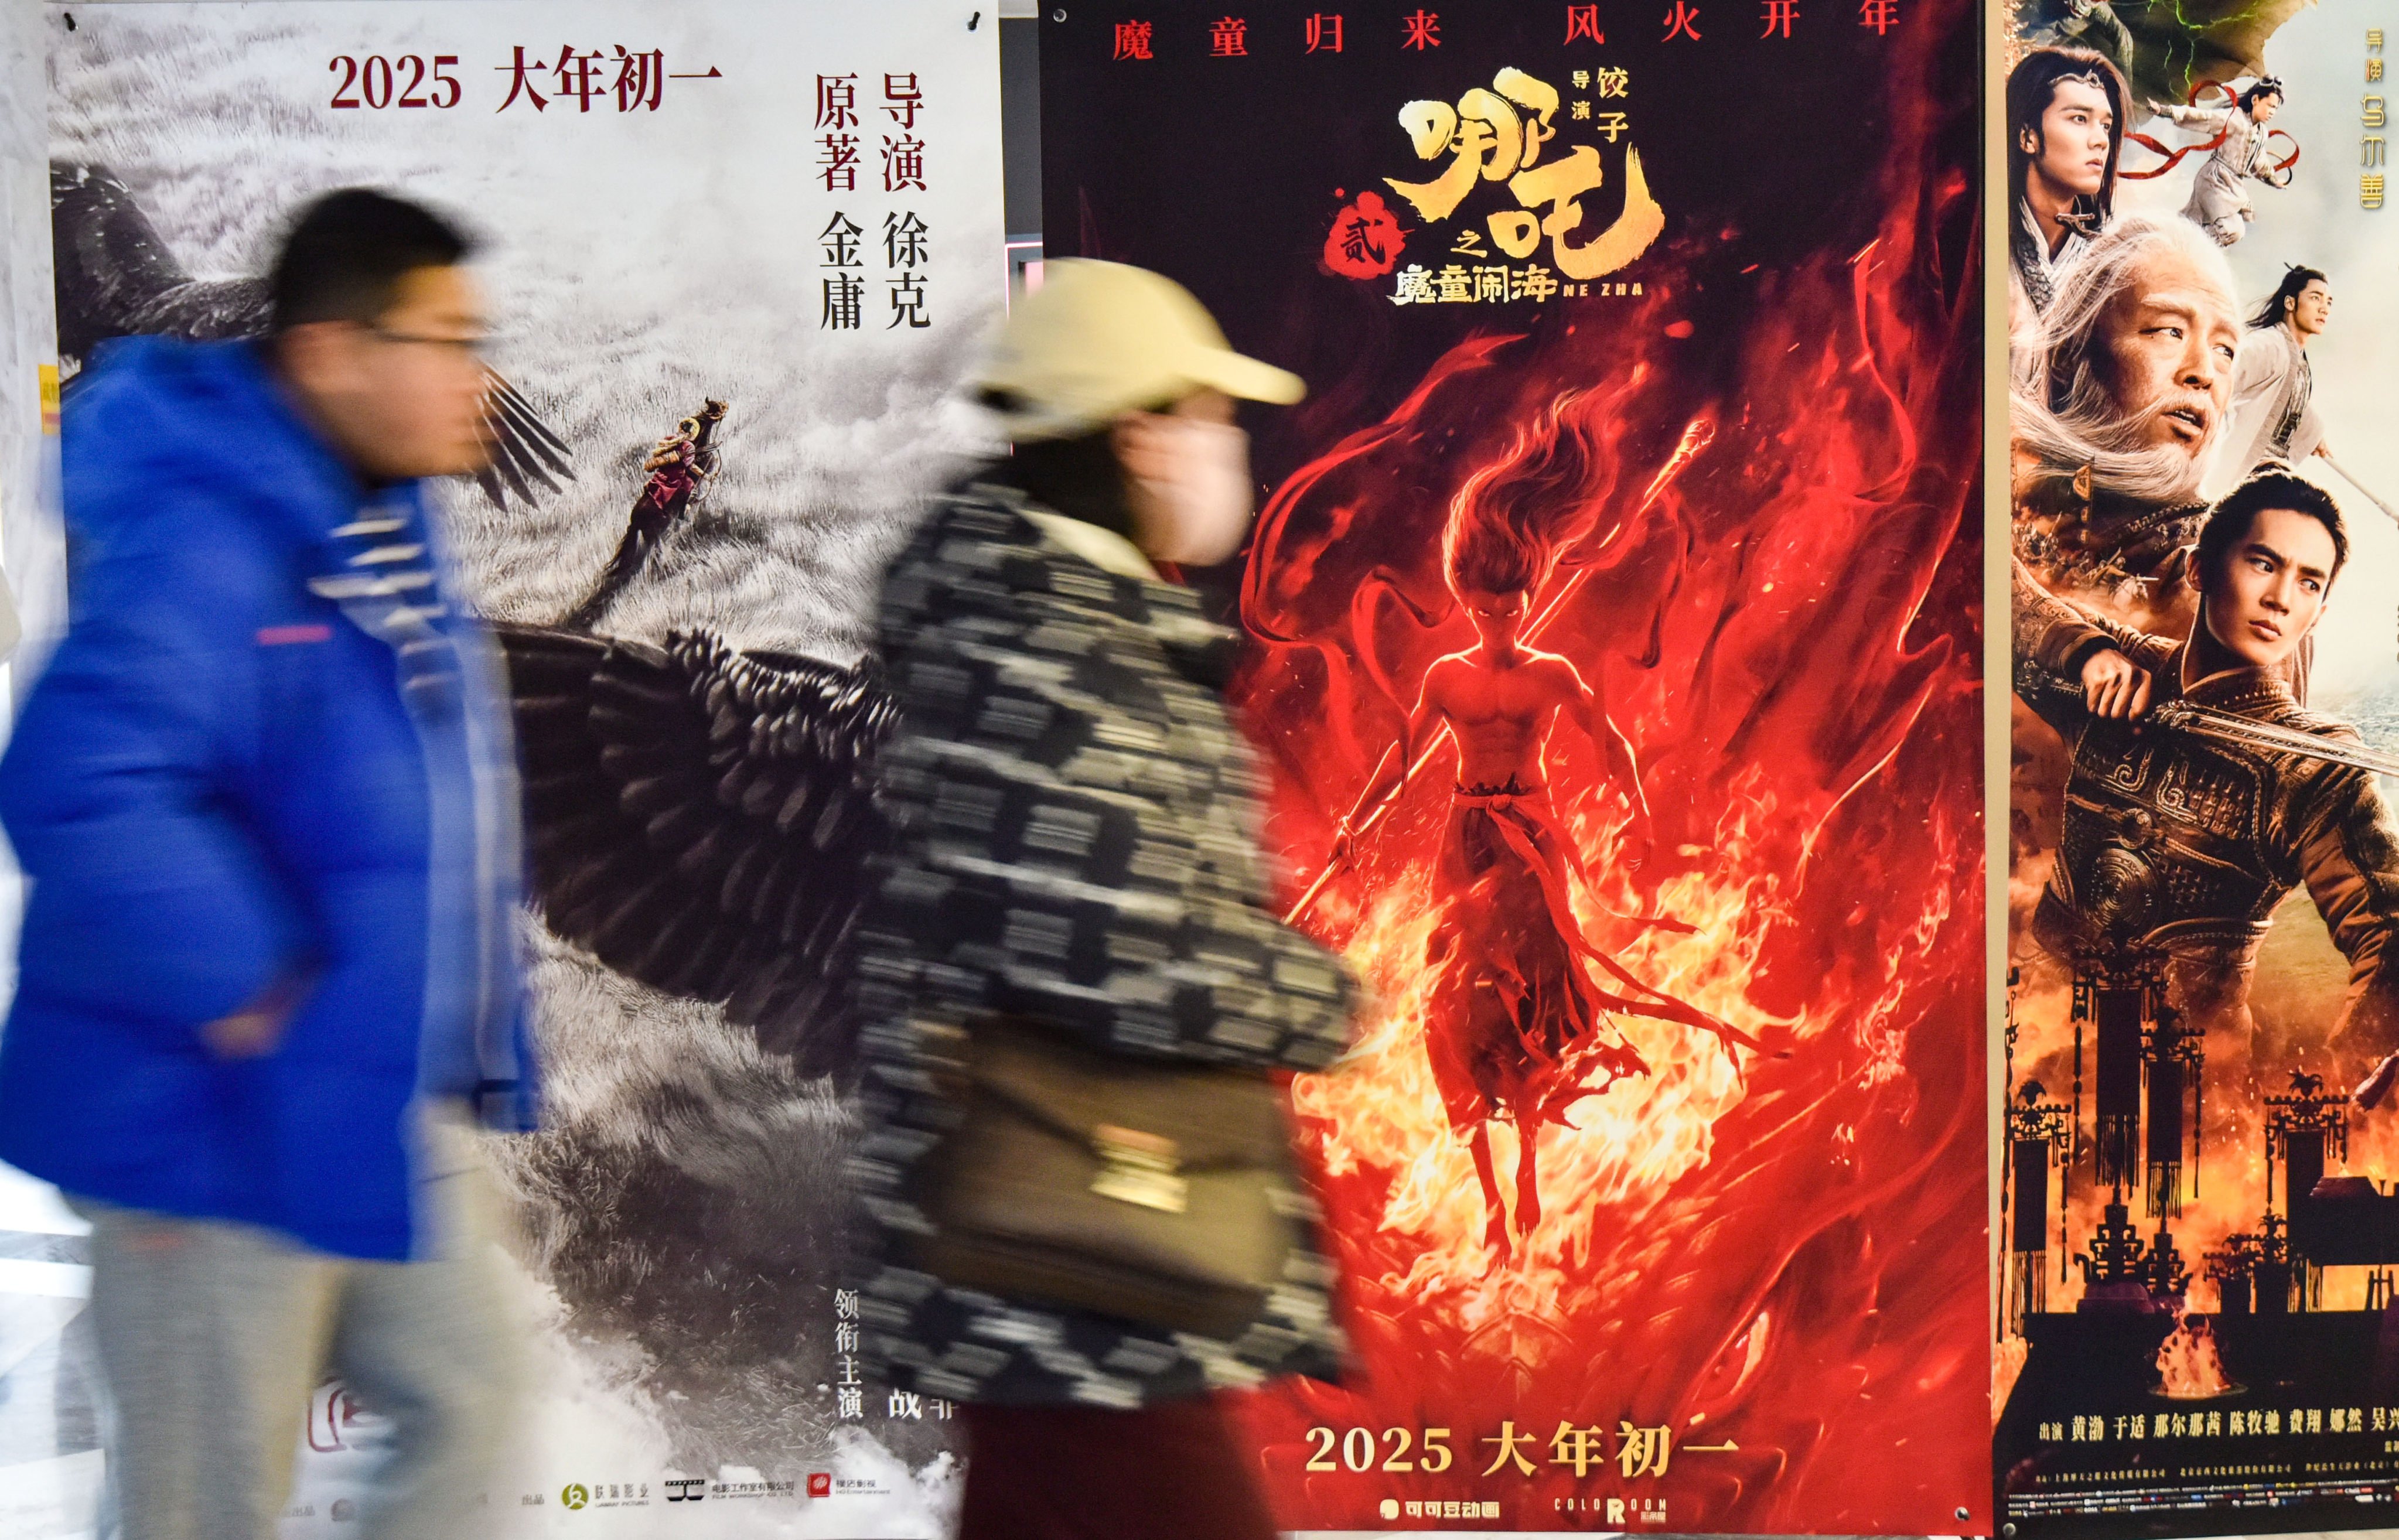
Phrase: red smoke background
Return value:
(1782, 1253)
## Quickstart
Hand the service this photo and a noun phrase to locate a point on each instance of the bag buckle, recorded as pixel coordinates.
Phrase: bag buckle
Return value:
(1140, 1169)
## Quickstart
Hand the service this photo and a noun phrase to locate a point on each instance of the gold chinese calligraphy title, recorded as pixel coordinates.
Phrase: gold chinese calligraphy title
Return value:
(1497, 135)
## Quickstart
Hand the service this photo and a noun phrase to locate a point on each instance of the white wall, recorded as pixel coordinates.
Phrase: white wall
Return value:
(30, 551)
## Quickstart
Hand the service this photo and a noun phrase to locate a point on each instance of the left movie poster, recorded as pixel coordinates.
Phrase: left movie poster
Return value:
(739, 255)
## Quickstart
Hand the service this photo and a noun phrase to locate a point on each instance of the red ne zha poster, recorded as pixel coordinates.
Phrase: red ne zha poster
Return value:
(1614, 622)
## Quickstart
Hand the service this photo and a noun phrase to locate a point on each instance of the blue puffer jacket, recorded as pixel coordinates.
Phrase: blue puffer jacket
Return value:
(270, 747)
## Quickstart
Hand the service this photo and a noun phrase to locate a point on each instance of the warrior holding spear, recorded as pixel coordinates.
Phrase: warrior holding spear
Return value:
(1517, 1026)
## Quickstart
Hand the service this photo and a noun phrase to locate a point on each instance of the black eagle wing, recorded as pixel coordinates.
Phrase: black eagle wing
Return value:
(116, 277)
(701, 819)
(528, 457)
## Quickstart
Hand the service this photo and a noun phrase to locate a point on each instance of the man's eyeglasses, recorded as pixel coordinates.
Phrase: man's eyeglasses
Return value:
(472, 347)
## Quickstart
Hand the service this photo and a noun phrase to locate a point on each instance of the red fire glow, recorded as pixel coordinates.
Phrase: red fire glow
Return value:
(1778, 1257)
(2190, 1368)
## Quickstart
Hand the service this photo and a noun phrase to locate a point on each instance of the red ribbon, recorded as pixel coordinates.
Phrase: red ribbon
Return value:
(2174, 157)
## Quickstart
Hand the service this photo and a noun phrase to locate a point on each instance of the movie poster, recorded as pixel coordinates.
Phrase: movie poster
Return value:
(2196, 1334)
(739, 253)
(1613, 624)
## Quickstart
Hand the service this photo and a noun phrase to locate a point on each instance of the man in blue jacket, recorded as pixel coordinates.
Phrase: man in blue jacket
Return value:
(265, 796)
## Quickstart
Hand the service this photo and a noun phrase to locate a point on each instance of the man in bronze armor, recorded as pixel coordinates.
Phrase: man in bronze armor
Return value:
(2182, 840)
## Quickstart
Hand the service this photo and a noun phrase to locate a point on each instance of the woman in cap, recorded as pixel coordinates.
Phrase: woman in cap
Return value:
(1063, 769)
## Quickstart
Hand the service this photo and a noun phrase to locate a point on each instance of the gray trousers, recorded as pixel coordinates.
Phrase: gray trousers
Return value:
(213, 1336)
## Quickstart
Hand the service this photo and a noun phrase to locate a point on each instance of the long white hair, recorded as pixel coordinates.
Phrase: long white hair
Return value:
(2058, 406)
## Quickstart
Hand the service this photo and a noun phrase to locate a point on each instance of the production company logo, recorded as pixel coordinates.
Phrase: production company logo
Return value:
(752, 1486)
(1617, 1511)
(1394, 1508)
(853, 1486)
(685, 1488)
(820, 1483)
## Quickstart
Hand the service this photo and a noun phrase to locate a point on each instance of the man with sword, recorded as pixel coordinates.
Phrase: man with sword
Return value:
(2200, 792)
(2273, 420)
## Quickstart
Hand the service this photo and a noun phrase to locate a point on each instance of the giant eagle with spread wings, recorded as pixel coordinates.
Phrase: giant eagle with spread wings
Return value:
(700, 823)
(699, 818)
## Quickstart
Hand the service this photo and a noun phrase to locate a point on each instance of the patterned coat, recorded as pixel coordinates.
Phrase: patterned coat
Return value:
(1075, 845)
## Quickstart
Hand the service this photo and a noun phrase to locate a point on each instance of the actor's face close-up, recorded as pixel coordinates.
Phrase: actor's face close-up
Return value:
(2170, 336)
(2312, 309)
(425, 381)
(2074, 133)
(2264, 108)
(1498, 618)
(2273, 587)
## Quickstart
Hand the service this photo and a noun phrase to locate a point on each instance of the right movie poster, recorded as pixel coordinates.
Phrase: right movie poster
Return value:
(2200, 1236)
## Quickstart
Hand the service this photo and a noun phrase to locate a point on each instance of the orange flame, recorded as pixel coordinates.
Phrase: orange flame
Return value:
(1777, 1257)
(2190, 1368)
(1381, 1111)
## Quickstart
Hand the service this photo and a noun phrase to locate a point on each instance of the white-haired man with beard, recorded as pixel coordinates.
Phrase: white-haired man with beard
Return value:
(2117, 401)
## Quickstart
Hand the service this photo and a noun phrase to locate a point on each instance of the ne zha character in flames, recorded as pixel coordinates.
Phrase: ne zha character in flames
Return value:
(1517, 1027)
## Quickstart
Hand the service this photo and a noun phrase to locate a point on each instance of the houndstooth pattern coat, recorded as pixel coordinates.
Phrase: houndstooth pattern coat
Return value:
(1075, 827)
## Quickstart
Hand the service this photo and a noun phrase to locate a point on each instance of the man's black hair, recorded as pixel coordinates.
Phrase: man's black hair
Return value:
(346, 253)
(2295, 283)
(2265, 86)
(2229, 521)
(1079, 477)
(2032, 86)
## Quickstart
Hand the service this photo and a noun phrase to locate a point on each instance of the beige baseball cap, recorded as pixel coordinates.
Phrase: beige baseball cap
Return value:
(1099, 339)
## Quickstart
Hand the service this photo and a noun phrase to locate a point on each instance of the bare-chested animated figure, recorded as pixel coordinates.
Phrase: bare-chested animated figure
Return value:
(1517, 1027)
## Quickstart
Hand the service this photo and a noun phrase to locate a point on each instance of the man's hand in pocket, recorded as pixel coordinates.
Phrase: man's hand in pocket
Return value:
(258, 1027)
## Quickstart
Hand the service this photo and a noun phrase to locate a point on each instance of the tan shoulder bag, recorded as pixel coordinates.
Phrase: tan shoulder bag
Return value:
(1155, 1192)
